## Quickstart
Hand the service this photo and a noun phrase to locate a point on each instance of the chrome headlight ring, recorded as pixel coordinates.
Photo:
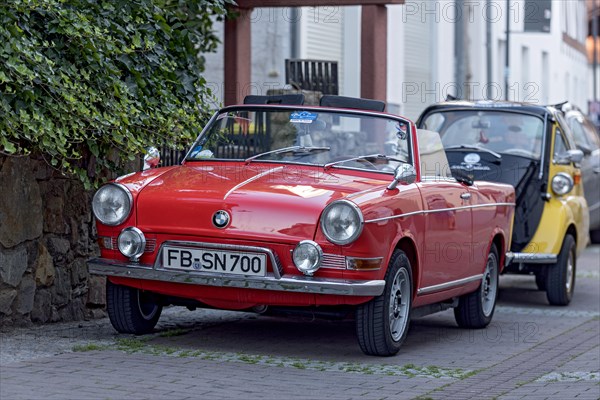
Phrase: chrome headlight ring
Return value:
(307, 257)
(562, 183)
(342, 222)
(131, 243)
(112, 204)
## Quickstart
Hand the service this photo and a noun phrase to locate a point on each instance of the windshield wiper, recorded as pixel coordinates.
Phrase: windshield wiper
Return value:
(365, 157)
(469, 147)
(296, 149)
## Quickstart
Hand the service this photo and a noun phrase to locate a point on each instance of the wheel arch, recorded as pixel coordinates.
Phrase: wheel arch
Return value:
(572, 230)
(408, 246)
(500, 243)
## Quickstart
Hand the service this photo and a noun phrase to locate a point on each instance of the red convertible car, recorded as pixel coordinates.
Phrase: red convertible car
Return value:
(337, 207)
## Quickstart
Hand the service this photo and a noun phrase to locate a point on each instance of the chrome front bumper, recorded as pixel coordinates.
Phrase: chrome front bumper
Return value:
(301, 284)
(530, 258)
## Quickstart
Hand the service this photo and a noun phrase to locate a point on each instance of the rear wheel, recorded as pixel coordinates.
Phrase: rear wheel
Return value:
(382, 323)
(476, 309)
(131, 310)
(560, 282)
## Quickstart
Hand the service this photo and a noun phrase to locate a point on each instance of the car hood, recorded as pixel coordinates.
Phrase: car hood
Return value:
(282, 202)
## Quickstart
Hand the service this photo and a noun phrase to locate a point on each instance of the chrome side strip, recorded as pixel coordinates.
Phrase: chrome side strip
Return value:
(299, 284)
(531, 258)
(448, 285)
(247, 181)
(439, 210)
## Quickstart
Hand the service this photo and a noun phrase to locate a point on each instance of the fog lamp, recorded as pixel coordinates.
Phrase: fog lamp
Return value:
(307, 257)
(132, 243)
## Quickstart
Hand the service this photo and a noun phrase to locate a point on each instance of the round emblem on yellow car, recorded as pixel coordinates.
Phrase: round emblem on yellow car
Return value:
(221, 219)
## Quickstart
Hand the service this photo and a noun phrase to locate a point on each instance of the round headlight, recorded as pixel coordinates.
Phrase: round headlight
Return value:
(307, 257)
(132, 242)
(562, 183)
(112, 204)
(342, 222)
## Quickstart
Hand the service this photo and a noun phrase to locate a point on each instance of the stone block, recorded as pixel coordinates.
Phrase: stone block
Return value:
(13, 264)
(42, 306)
(20, 203)
(61, 290)
(96, 291)
(44, 267)
(7, 297)
(24, 302)
(79, 271)
(58, 246)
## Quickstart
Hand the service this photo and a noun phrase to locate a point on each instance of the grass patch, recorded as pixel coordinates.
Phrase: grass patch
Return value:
(88, 347)
(174, 332)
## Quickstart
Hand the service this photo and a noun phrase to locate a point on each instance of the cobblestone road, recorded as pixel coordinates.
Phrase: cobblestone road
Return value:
(531, 350)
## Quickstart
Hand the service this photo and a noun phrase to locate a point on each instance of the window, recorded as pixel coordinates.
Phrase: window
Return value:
(560, 146)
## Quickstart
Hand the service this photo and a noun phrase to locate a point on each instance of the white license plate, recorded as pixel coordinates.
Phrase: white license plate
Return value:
(210, 260)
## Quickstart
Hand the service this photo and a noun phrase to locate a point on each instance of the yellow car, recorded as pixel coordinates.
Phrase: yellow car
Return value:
(526, 146)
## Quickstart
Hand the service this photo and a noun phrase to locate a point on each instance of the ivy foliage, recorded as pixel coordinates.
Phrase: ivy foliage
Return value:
(88, 84)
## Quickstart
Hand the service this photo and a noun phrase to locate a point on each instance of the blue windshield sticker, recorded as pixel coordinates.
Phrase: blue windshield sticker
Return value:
(303, 117)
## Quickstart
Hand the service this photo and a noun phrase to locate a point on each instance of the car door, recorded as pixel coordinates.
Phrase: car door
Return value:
(587, 140)
(448, 240)
(591, 179)
(448, 218)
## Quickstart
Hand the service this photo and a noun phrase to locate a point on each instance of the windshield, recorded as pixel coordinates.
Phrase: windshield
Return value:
(306, 136)
(502, 132)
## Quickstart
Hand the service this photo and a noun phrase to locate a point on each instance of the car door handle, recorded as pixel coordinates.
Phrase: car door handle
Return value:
(465, 196)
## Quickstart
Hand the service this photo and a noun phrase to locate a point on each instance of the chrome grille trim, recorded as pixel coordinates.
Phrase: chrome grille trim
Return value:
(334, 261)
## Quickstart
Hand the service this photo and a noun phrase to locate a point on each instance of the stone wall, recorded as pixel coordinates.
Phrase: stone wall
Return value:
(46, 235)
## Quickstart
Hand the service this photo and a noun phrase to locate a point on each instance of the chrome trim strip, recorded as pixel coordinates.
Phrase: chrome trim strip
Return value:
(299, 284)
(247, 181)
(531, 258)
(277, 268)
(438, 210)
(448, 285)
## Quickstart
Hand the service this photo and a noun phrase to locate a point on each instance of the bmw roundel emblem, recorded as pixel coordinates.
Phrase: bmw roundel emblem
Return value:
(221, 219)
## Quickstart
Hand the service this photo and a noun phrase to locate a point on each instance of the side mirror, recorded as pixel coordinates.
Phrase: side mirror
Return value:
(570, 156)
(405, 173)
(585, 149)
(152, 158)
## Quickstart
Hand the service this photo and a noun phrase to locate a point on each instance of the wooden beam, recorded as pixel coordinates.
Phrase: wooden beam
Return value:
(373, 53)
(312, 3)
(238, 58)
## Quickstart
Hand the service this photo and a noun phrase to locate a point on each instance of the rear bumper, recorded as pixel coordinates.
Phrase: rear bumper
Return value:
(530, 258)
(300, 284)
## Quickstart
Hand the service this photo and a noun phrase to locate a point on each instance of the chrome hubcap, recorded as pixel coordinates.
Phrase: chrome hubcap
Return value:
(399, 304)
(489, 285)
(569, 283)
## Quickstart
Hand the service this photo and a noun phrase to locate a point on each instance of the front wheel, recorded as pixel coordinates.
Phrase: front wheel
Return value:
(131, 310)
(382, 323)
(560, 281)
(475, 310)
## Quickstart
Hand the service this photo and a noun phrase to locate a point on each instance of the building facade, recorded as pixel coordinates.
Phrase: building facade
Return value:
(547, 54)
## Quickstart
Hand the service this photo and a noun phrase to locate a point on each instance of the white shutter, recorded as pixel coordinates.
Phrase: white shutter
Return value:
(323, 36)
(417, 65)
